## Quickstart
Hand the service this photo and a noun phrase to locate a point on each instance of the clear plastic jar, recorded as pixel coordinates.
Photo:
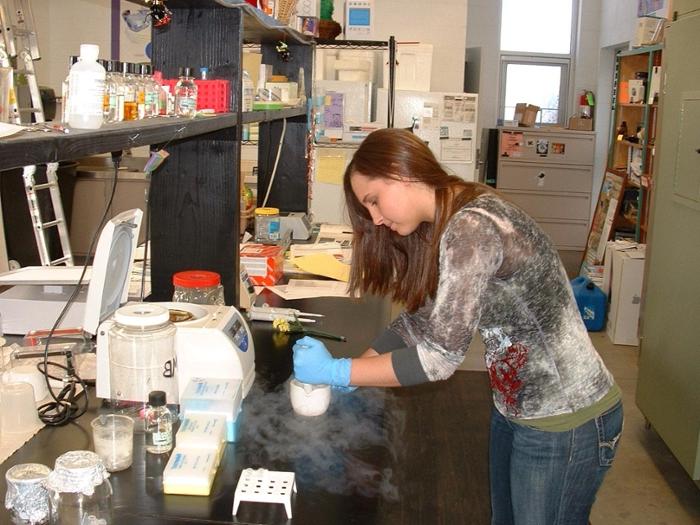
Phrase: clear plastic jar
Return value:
(79, 491)
(26, 497)
(141, 354)
(198, 287)
(267, 224)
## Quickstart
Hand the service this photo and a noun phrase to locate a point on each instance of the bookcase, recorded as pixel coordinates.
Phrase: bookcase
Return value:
(633, 136)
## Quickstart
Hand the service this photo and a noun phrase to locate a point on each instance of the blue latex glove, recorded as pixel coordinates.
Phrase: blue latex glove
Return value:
(315, 365)
(343, 389)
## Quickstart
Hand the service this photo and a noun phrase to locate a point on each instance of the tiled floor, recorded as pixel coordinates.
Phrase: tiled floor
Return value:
(646, 485)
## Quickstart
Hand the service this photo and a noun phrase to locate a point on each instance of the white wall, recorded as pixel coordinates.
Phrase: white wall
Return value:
(61, 27)
(483, 32)
(442, 24)
(618, 21)
(587, 45)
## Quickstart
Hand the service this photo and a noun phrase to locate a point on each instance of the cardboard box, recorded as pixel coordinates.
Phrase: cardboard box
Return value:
(581, 124)
(526, 114)
(625, 295)
(649, 31)
(263, 262)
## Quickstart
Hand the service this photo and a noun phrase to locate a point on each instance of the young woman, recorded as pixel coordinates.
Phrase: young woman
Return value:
(463, 259)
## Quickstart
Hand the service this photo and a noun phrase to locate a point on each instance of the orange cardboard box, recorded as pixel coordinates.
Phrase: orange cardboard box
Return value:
(263, 262)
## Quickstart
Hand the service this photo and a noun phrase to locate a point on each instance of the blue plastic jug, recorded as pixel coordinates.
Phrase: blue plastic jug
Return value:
(592, 303)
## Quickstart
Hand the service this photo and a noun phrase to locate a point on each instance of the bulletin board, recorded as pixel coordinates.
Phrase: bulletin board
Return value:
(606, 210)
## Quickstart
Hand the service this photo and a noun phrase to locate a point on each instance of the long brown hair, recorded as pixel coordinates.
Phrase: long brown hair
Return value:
(383, 262)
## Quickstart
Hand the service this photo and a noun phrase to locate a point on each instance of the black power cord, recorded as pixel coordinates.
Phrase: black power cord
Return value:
(68, 404)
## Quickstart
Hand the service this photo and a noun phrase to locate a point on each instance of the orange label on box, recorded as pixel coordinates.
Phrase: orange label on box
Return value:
(263, 262)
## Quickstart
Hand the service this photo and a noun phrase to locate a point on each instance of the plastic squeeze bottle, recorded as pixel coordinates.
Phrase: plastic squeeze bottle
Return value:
(86, 86)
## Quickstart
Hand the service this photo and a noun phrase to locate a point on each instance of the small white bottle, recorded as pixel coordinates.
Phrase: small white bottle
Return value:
(158, 424)
(86, 87)
(185, 94)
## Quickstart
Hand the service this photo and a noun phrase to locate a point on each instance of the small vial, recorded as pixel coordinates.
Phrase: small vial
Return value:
(185, 94)
(158, 423)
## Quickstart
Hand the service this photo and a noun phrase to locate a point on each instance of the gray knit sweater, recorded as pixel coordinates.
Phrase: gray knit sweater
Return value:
(499, 274)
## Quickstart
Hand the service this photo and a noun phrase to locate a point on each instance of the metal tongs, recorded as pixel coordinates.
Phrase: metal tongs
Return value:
(268, 313)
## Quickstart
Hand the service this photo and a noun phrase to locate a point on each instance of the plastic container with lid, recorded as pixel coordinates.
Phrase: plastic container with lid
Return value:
(26, 497)
(141, 353)
(198, 287)
(79, 491)
(267, 225)
(591, 301)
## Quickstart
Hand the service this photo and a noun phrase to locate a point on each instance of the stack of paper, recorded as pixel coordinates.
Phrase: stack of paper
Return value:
(305, 288)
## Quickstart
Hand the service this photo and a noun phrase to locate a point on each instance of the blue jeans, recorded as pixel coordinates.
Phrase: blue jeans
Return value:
(549, 478)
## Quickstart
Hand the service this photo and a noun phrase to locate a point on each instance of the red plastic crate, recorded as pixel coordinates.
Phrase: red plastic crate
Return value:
(211, 94)
(214, 94)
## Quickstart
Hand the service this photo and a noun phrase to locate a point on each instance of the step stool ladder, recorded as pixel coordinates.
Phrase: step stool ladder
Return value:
(41, 228)
(18, 33)
(7, 51)
(18, 24)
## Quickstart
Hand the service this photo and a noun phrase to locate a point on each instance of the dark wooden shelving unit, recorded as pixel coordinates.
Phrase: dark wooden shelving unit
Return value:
(38, 147)
(194, 196)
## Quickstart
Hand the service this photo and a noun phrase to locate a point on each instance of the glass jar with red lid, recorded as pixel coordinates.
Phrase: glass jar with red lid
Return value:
(198, 287)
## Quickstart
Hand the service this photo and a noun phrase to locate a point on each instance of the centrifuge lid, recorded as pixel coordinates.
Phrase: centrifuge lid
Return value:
(111, 268)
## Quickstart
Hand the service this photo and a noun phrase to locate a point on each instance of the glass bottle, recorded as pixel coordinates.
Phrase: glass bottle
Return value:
(110, 97)
(130, 110)
(163, 94)
(140, 86)
(150, 90)
(79, 491)
(185, 94)
(121, 87)
(622, 131)
(247, 97)
(158, 424)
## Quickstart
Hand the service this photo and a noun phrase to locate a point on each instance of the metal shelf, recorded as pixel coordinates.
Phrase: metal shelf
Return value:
(258, 26)
(322, 43)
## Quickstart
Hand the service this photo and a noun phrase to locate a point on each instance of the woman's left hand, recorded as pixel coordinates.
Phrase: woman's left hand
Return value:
(314, 364)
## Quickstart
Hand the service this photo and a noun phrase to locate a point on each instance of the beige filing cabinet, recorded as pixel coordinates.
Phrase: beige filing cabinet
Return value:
(549, 174)
(93, 187)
